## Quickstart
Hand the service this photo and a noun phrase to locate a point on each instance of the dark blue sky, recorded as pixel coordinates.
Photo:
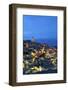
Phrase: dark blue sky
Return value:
(40, 27)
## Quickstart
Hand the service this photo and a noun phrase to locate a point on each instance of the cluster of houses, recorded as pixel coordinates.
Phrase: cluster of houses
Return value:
(35, 52)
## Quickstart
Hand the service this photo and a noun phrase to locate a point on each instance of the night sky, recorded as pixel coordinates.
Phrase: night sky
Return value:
(40, 27)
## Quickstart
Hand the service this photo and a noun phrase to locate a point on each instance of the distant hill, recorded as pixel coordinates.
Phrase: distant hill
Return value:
(35, 44)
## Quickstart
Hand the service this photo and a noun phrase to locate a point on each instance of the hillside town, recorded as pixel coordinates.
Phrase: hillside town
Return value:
(39, 58)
